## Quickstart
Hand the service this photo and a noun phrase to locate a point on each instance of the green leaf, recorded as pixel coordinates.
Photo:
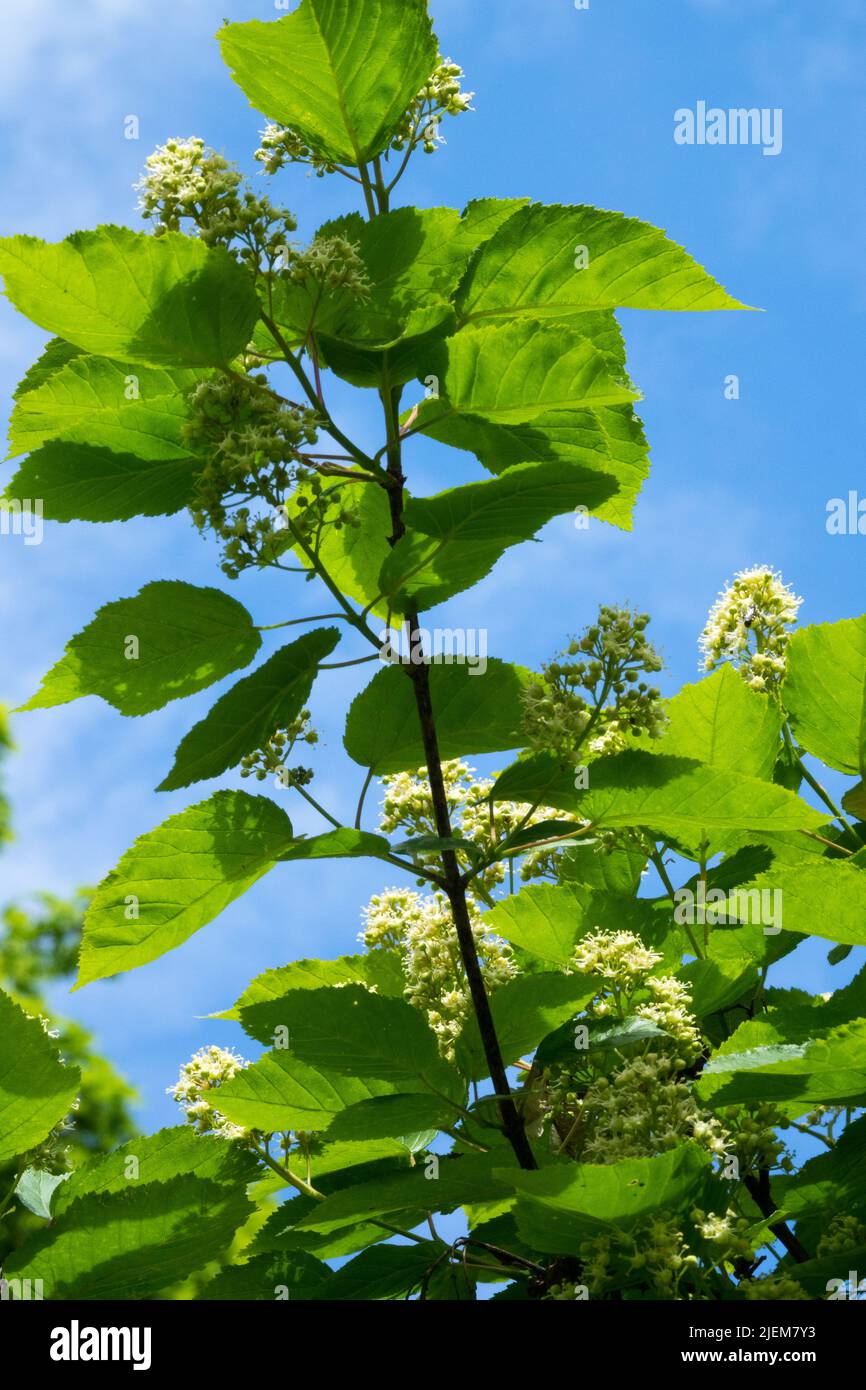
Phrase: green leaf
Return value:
(351, 1031)
(826, 898)
(279, 1092)
(354, 555)
(160, 1158)
(35, 1189)
(138, 653)
(799, 1075)
(384, 1271)
(380, 968)
(455, 538)
(512, 373)
(615, 869)
(610, 439)
(838, 953)
(560, 1046)
(531, 267)
(344, 843)
(268, 1278)
(722, 722)
(542, 919)
(54, 356)
(832, 1182)
(524, 1011)
(338, 73)
(831, 1277)
(854, 801)
(124, 408)
(248, 714)
(825, 692)
(548, 920)
(391, 1116)
(675, 796)
(177, 878)
(132, 1244)
(461, 1180)
(414, 259)
(77, 483)
(166, 301)
(561, 1207)
(475, 713)
(36, 1089)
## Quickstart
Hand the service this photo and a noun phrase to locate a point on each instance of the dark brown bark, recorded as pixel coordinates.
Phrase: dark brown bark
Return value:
(419, 674)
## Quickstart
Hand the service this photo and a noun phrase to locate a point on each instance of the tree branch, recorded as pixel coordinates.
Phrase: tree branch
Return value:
(455, 889)
(759, 1190)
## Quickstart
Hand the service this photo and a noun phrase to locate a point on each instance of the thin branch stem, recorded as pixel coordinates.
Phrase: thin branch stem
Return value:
(307, 1190)
(818, 789)
(362, 798)
(294, 622)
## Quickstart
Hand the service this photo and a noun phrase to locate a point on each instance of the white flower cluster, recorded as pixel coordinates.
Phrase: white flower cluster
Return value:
(623, 963)
(440, 96)
(407, 807)
(618, 957)
(749, 626)
(181, 178)
(185, 180)
(422, 931)
(203, 1074)
(728, 1233)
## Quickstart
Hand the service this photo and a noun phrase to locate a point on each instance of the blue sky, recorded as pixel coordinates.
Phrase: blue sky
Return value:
(571, 106)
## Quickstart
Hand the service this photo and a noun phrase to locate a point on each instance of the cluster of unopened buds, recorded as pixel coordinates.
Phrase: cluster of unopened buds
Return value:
(749, 625)
(317, 505)
(53, 1155)
(251, 444)
(440, 96)
(271, 759)
(653, 1254)
(843, 1233)
(281, 145)
(605, 664)
(332, 264)
(753, 1137)
(774, 1288)
(186, 182)
(642, 1109)
(199, 1078)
